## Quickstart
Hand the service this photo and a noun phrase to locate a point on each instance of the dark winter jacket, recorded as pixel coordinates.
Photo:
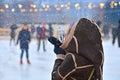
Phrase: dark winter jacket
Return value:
(114, 31)
(51, 30)
(118, 34)
(12, 32)
(32, 29)
(84, 55)
(24, 38)
(39, 30)
(118, 30)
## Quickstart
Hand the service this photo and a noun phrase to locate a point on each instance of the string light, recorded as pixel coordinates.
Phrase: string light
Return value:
(55, 6)
(1, 10)
(6, 6)
(23, 10)
(90, 5)
(58, 9)
(115, 4)
(119, 3)
(35, 10)
(76, 5)
(68, 8)
(13, 10)
(112, 4)
(33, 5)
(43, 6)
(46, 9)
(102, 5)
(68, 3)
(47, 6)
(31, 10)
(20, 5)
(78, 8)
(62, 5)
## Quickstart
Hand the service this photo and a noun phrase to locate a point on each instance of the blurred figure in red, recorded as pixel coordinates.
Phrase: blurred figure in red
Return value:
(41, 36)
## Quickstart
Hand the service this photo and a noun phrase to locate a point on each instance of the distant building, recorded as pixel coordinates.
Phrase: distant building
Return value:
(55, 11)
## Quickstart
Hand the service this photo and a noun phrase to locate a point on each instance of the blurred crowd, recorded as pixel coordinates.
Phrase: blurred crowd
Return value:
(42, 31)
(110, 31)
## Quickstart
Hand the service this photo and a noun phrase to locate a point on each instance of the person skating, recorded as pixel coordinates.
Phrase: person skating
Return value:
(118, 33)
(24, 39)
(114, 35)
(80, 56)
(41, 36)
(38, 36)
(61, 34)
(12, 33)
(32, 30)
(50, 30)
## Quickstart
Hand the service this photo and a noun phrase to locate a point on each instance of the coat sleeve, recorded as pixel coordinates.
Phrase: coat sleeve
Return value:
(62, 68)
(29, 37)
(19, 37)
(73, 67)
(56, 65)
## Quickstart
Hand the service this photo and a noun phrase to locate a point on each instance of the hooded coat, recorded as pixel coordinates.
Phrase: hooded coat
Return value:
(84, 54)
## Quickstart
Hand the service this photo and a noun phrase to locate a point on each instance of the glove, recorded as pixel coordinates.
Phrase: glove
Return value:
(57, 44)
(54, 41)
(59, 50)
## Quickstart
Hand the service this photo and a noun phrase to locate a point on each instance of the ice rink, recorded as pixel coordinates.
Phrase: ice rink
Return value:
(42, 62)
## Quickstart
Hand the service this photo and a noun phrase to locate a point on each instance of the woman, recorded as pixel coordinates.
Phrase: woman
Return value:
(24, 38)
(80, 56)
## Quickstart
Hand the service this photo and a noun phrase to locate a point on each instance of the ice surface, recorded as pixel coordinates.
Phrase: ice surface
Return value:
(112, 61)
(42, 62)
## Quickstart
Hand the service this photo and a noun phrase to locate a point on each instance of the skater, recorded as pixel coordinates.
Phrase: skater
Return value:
(80, 56)
(114, 35)
(12, 33)
(99, 23)
(106, 30)
(24, 38)
(50, 30)
(32, 30)
(38, 36)
(118, 33)
(61, 34)
(41, 37)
